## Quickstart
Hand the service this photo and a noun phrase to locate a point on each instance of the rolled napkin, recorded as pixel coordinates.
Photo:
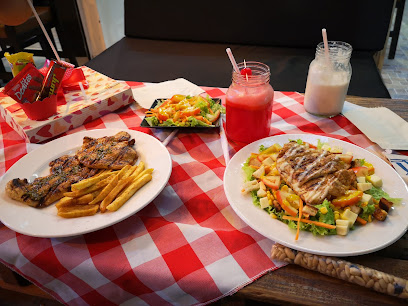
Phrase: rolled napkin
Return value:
(335, 267)
(146, 95)
(380, 125)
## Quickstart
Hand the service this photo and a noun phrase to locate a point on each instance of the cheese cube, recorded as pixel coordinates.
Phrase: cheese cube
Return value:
(264, 202)
(367, 198)
(349, 216)
(261, 193)
(364, 186)
(260, 172)
(340, 222)
(375, 180)
(268, 161)
(361, 179)
(342, 230)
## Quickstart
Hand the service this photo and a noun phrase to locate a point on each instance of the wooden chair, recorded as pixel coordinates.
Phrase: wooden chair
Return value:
(18, 38)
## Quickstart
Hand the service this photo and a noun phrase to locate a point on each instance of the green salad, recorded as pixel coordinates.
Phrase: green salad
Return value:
(185, 111)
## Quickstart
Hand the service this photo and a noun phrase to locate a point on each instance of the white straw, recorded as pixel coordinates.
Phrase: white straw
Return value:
(224, 142)
(232, 59)
(44, 30)
(326, 44)
(170, 137)
(83, 92)
(67, 107)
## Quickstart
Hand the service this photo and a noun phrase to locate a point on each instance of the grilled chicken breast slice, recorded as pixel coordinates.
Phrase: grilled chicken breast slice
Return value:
(44, 191)
(314, 174)
(109, 152)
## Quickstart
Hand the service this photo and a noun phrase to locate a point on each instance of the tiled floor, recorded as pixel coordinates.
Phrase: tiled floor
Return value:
(395, 71)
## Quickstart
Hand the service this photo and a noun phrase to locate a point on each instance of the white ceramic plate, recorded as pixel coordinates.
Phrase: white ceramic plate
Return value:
(364, 239)
(44, 222)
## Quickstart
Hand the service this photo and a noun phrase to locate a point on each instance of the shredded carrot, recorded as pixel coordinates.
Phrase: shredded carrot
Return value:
(255, 167)
(361, 221)
(321, 224)
(300, 218)
(206, 121)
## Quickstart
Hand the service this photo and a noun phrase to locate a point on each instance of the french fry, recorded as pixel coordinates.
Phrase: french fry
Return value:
(68, 201)
(129, 171)
(128, 192)
(146, 171)
(123, 171)
(63, 202)
(90, 189)
(115, 191)
(102, 171)
(138, 169)
(75, 211)
(105, 191)
(89, 181)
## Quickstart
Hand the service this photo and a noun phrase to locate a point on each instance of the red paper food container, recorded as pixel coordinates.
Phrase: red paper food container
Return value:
(41, 109)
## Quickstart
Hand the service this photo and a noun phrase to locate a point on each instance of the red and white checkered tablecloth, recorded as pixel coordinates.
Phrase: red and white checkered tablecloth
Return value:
(186, 247)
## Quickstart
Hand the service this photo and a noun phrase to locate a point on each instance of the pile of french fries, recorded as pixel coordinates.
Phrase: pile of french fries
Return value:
(107, 190)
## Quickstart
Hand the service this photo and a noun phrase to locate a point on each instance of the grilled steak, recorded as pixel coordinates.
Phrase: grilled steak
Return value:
(110, 152)
(43, 191)
(314, 174)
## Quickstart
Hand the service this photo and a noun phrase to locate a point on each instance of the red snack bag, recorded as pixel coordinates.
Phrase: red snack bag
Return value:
(25, 87)
(52, 80)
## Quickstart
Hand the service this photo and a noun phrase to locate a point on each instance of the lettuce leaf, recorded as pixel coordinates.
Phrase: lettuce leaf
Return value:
(320, 144)
(327, 218)
(168, 122)
(203, 106)
(367, 211)
(195, 122)
(255, 198)
(152, 121)
(262, 148)
(248, 170)
(378, 193)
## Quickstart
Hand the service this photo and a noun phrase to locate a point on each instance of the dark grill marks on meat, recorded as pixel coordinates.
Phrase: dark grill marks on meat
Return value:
(43, 191)
(113, 152)
(326, 187)
(314, 174)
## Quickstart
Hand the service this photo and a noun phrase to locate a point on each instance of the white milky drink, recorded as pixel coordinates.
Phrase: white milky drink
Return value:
(328, 80)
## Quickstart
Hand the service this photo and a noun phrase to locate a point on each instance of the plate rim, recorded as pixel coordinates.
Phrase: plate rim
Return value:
(292, 244)
(106, 132)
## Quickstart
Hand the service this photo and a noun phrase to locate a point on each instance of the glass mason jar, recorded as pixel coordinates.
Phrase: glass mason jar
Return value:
(328, 79)
(249, 104)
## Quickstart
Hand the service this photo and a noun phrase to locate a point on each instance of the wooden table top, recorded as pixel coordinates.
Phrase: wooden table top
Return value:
(296, 285)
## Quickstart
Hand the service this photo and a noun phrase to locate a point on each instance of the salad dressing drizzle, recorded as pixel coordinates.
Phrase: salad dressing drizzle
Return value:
(308, 172)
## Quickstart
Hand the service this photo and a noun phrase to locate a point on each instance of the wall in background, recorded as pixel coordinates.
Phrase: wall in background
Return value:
(111, 14)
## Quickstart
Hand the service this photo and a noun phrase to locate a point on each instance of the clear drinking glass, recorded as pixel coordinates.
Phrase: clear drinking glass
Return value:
(328, 79)
(249, 104)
